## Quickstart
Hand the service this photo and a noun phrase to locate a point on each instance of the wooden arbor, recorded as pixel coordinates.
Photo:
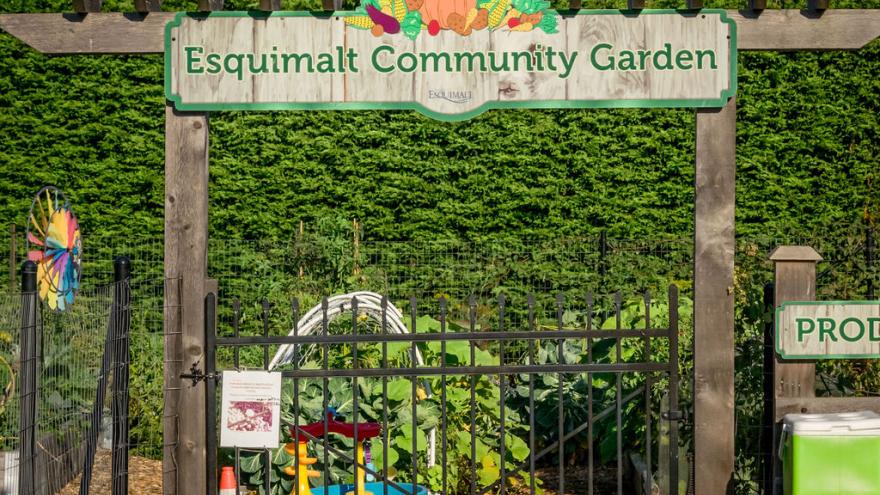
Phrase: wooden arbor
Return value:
(89, 31)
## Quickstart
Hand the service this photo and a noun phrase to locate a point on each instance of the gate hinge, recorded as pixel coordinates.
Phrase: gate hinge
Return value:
(673, 415)
(197, 375)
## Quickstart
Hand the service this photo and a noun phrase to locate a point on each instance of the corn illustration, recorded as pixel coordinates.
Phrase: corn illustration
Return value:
(398, 9)
(359, 21)
(496, 12)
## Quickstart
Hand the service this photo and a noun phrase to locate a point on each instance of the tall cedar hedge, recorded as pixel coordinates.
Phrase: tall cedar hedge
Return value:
(808, 144)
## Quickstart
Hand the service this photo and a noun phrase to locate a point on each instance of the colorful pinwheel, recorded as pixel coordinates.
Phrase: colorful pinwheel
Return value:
(54, 243)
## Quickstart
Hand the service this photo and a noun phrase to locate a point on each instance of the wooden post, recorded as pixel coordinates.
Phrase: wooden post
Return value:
(85, 6)
(713, 298)
(210, 5)
(795, 280)
(144, 6)
(635, 4)
(186, 262)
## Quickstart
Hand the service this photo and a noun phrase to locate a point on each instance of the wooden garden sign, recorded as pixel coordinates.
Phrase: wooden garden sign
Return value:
(460, 66)
(828, 330)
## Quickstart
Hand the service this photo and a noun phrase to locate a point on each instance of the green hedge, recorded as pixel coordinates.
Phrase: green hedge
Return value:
(808, 155)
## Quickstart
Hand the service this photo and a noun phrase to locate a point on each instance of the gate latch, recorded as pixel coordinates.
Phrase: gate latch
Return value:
(672, 415)
(197, 375)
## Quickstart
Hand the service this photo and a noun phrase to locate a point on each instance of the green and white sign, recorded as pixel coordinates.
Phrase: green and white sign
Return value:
(828, 329)
(449, 59)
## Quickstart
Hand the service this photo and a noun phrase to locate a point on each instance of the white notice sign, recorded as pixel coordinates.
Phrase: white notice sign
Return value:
(828, 329)
(250, 409)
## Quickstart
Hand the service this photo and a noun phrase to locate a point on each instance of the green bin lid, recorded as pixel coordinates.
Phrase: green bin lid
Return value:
(861, 423)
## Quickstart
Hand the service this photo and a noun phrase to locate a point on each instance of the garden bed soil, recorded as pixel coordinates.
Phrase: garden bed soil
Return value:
(604, 480)
(144, 476)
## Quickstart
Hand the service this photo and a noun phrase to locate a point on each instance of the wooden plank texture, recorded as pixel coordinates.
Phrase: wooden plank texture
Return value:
(147, 5)
(823, 405)
(89, 33)
(792, 29)
(87, 5)
(186, 253)
(713, 298)
(789, 29)
(794, 280)
(210, 5)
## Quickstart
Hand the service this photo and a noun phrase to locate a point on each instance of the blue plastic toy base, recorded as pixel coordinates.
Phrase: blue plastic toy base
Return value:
(378, 488)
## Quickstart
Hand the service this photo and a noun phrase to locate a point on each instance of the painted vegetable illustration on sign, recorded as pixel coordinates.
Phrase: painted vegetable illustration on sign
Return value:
(441, 10)
(412, 17)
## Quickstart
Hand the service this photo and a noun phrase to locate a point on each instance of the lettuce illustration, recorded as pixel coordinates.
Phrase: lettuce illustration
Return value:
(530, 6)
(411, 25)
(548, 22)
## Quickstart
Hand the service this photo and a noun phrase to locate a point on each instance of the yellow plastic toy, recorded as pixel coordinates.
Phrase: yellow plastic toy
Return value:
(302, 473)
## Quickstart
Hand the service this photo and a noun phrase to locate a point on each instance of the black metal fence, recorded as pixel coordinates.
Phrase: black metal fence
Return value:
(469, 399)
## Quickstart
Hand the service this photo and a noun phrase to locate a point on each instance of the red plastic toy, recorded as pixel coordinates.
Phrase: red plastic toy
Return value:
(316, 430)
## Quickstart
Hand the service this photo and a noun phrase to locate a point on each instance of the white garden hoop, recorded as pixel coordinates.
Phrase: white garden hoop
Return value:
(370, 305)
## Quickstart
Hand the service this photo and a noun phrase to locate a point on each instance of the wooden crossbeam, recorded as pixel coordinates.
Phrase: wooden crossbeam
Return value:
(823, 405)
(210, 5)
(818, 4)
(757, 5)
(148, 5)
(635, 4)
(83, 6)
(90, 33)
(270, 5)
(785, 30)
(133, 33)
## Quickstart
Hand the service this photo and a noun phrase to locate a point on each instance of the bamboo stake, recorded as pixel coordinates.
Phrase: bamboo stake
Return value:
(12, 253)
(357, 246)
(299, 250)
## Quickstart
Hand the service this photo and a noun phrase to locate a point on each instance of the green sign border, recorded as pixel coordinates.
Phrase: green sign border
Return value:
(779, 310)
(489, 105)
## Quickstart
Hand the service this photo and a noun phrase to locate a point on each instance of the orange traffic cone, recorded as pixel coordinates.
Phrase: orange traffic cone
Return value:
(227, 481)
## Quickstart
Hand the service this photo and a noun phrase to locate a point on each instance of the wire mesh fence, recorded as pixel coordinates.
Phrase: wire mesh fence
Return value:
(10, 428)
(50, 364)
(312, 265)
(70, 356)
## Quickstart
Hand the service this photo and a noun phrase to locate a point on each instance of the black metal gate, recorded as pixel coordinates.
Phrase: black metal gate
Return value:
(538, 395)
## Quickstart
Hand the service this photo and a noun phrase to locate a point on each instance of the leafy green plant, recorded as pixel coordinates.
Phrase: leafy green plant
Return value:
(578, 389)
(414, 409)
